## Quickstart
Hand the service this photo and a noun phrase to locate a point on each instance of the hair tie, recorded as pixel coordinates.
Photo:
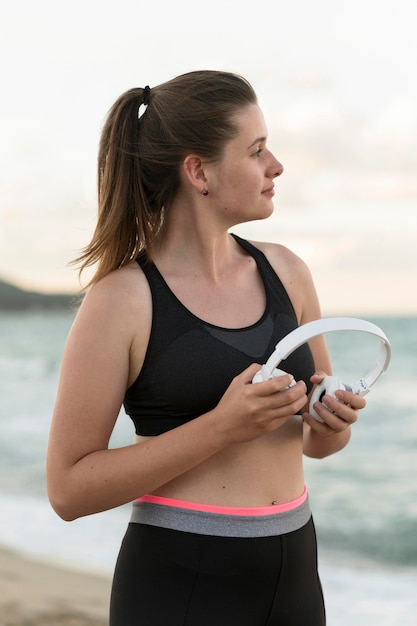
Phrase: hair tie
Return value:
(145, 101)
(146, 94)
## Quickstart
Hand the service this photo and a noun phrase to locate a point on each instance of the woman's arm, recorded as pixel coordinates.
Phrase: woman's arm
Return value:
(107, 341)
(320, 439)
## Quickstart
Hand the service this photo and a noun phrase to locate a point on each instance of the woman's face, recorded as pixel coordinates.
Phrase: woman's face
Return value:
(241, 183)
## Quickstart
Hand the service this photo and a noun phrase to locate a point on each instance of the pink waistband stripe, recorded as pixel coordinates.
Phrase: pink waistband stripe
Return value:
(227, 510)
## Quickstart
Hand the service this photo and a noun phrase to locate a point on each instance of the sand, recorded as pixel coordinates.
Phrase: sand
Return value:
(35, 593)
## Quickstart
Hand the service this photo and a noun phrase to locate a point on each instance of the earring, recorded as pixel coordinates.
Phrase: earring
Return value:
(204, 192)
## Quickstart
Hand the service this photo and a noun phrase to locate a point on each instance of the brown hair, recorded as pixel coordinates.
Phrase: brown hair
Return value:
(140, 157)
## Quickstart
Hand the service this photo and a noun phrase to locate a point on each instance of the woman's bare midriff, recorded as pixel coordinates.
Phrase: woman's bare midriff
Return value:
(266, 471)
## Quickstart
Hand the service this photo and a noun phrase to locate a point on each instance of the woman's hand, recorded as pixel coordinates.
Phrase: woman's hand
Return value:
(248, 411)
(337, 413)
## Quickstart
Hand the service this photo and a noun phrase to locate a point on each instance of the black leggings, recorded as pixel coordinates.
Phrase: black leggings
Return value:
(167, 577)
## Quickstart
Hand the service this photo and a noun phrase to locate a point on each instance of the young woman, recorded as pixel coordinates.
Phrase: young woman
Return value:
(176, 322)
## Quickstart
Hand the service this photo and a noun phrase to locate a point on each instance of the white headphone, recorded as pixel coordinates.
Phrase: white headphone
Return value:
(330, 384)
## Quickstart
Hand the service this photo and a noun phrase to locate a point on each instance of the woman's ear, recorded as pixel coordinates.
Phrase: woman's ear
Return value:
(194, 172)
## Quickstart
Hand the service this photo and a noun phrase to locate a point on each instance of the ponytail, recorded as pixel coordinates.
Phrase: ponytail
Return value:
(126, 223)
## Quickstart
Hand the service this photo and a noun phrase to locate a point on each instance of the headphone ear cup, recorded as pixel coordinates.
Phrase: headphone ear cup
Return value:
(328, 386)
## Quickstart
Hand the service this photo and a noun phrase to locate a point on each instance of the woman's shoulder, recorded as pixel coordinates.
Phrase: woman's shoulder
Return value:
(120, 286)
(121, 296)
(282, 259)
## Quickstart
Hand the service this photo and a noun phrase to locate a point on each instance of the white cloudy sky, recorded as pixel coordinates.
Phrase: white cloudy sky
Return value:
(337, 82)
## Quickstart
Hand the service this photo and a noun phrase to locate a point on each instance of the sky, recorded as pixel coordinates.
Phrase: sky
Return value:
(336, 82)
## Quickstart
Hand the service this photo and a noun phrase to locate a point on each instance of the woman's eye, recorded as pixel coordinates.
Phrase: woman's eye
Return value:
(258, 152)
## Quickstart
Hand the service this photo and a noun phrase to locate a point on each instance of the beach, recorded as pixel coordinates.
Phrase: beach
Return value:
(363, 499)
(36, 593)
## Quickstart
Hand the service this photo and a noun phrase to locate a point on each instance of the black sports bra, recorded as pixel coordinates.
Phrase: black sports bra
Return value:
(190, 363)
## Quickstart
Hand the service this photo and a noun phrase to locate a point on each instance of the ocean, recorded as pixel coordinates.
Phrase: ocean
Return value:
(364, 499)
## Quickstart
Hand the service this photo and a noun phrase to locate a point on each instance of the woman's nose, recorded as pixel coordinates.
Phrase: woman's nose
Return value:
(277, 168)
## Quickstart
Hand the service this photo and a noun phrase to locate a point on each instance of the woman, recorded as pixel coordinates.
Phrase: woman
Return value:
(177, 320)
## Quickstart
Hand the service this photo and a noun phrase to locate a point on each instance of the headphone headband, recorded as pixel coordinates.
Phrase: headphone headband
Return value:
(308, 331)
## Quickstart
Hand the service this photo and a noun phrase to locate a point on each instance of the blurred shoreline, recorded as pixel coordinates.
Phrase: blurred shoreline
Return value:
(38, 593)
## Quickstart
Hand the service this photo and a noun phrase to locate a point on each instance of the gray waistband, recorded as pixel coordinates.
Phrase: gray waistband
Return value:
(219, 524)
